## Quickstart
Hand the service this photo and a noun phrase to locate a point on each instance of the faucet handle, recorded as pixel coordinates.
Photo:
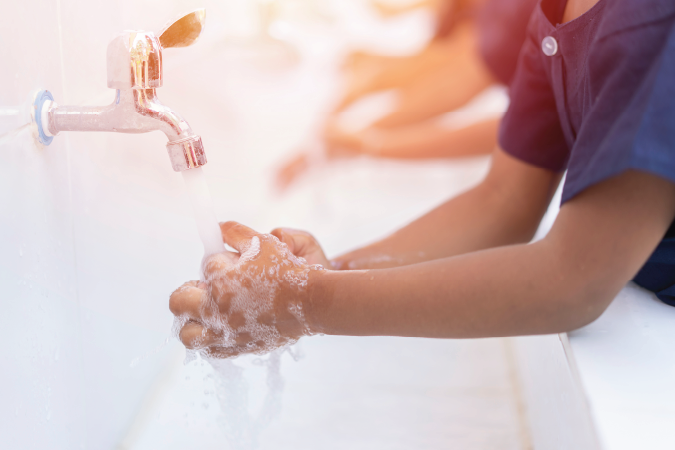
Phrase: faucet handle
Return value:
(135, 57)
(184, 31)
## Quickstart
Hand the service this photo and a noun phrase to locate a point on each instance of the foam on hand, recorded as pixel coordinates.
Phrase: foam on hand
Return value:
(247, 292)
(251, 289)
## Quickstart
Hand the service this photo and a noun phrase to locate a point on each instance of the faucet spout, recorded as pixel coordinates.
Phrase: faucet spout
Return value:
(134, 111)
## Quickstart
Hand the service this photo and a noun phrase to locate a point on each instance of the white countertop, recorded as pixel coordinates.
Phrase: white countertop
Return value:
(626, 364)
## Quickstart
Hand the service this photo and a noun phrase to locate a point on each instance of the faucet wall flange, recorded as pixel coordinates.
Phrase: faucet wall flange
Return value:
(41, 105)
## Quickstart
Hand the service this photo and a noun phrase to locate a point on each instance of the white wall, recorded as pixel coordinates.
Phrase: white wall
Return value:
(94, 232)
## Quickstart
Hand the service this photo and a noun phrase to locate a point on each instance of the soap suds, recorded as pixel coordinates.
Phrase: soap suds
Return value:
(246, 292)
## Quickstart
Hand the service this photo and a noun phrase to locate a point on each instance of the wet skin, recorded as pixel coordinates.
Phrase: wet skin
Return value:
(214, 311)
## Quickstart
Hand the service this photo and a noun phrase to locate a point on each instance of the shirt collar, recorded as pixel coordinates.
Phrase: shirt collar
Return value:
(618, 15)
(623, 14)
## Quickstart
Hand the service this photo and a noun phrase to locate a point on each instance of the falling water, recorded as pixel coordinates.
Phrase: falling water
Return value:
(202, 206)
(241, 428)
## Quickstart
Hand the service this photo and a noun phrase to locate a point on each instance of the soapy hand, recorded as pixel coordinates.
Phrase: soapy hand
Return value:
(302, 244)
(253, 302)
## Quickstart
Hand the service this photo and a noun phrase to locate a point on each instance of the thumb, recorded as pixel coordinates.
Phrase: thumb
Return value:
(237, 236)
(302, 244)
(285, 236)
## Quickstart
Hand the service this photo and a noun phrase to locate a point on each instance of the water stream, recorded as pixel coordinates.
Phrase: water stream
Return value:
(240, 426)
(202, 206)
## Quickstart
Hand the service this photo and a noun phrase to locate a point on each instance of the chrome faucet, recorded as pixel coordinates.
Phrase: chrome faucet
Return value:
(134, 61)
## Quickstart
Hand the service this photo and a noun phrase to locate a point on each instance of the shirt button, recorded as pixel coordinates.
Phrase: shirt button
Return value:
(549, 46)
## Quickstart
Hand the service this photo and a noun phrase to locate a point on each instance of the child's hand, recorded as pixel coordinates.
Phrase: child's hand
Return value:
(253, 306)
(302, 244)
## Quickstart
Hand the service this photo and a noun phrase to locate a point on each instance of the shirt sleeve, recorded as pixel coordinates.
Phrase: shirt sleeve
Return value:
(631, 124)
(530, 129)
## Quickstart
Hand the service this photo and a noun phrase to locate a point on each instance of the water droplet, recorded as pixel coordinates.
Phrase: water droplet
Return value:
(20, 252)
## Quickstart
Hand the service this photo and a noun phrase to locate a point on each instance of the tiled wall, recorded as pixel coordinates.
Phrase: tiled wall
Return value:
(95, 232)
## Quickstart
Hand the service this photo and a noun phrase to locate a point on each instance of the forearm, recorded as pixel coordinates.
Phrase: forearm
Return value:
(407, 69)
(499, 292)
(600, 240)
(492, 214)
(432, 140)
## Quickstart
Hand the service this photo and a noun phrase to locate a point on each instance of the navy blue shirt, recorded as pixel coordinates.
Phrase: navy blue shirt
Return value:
(597, 100)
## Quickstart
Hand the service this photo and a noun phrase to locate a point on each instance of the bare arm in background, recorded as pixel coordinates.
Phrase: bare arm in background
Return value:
(504, 209)
(419, 141)
(443, 77)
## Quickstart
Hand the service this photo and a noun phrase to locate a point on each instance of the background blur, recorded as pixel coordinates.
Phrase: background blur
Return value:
(96, 232)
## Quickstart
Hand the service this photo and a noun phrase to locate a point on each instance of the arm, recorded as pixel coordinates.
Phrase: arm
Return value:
(504, 209)
(444, 62)
(599, 241)
(425, 140)
(438, 141)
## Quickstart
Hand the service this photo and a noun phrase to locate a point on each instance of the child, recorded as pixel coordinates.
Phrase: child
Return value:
(593, 94)
(475, 46)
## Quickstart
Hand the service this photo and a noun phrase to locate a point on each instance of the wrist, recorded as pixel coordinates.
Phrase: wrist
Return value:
(320, 296)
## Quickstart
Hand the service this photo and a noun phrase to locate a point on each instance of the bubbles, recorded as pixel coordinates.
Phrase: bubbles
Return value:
(251, 251)
(241, 300)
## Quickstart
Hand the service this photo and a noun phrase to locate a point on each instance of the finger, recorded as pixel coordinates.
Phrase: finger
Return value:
(217, 351)
(243, 338)
(195, 336)
(236, 320)
(285, 236)
(245, 341)
(217, 265)
(237, 236)
(222, 296)
(301, 243)
(187, 300)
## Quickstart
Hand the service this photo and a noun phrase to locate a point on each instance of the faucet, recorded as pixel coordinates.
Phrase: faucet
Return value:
(134, 60)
